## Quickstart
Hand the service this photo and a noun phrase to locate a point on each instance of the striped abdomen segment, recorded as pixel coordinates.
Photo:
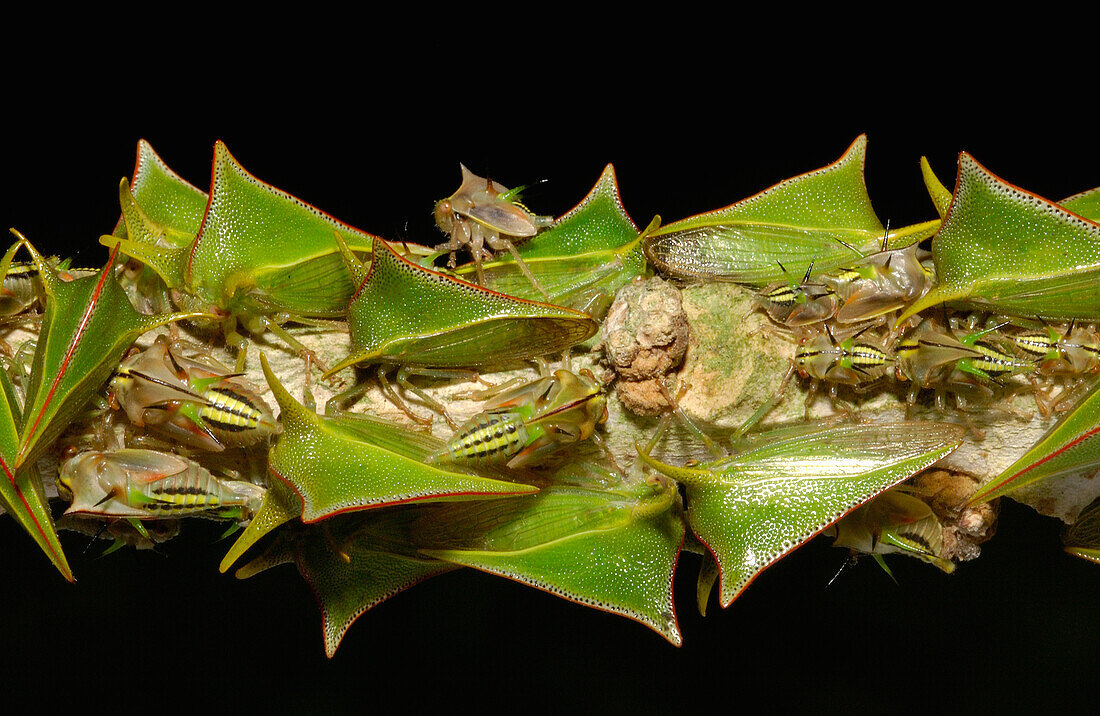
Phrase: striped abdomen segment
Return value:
(191, 490)
(489, 437)
(229, 410)
(993, 362)
(865, 355)
(19, 291)
(1037, 345)
(784, 295)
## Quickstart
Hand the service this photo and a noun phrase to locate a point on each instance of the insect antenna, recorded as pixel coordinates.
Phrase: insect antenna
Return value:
(848, 246)
(862, 331)
(115, 546)
(849, 561)
(94, 537)
(783, 268)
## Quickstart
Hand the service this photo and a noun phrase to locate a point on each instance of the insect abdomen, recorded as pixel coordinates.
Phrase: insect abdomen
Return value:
(994, 362)
(192, 490)
(1037, 345)
(490, 437)
(230, 411)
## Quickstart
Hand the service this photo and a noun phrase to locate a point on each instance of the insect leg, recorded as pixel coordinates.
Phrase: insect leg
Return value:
(674, 406)
(523, 267)
(393, 397)
(766, 408)
(235, 339)
(403, 380)
(304, 353)
(335, 404)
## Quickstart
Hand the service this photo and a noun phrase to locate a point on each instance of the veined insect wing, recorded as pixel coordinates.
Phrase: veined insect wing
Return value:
(441, 321)
(823, 216)
(615, 550)
(752, 508)
(1013, 252)
(1082, 538)
(147, 466)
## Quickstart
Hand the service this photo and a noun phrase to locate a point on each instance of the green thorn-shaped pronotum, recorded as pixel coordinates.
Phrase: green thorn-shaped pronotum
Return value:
(20, 488)
(87, 325)
(341, 464)
(257, 249)
(147, 240)
(941, 197)
(1082, 538)
(404, 314)
(753, 508)
(585, 255)
(353, 572)
(166, 199)
(614, 550)
(279, 506)
(822, 218)
(256, 238)
(1003, 249)
(1071, 445)
(1086, 204)
(161, 214)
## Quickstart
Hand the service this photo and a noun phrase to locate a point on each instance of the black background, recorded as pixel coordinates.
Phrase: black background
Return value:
(1017, 628)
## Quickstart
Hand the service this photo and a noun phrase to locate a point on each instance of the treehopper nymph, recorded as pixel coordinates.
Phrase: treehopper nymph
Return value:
(193, 398)
(524, 423)
(480, 216)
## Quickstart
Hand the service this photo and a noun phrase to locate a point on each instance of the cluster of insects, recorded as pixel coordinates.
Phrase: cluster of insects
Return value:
(527, 486)
(847, 333)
